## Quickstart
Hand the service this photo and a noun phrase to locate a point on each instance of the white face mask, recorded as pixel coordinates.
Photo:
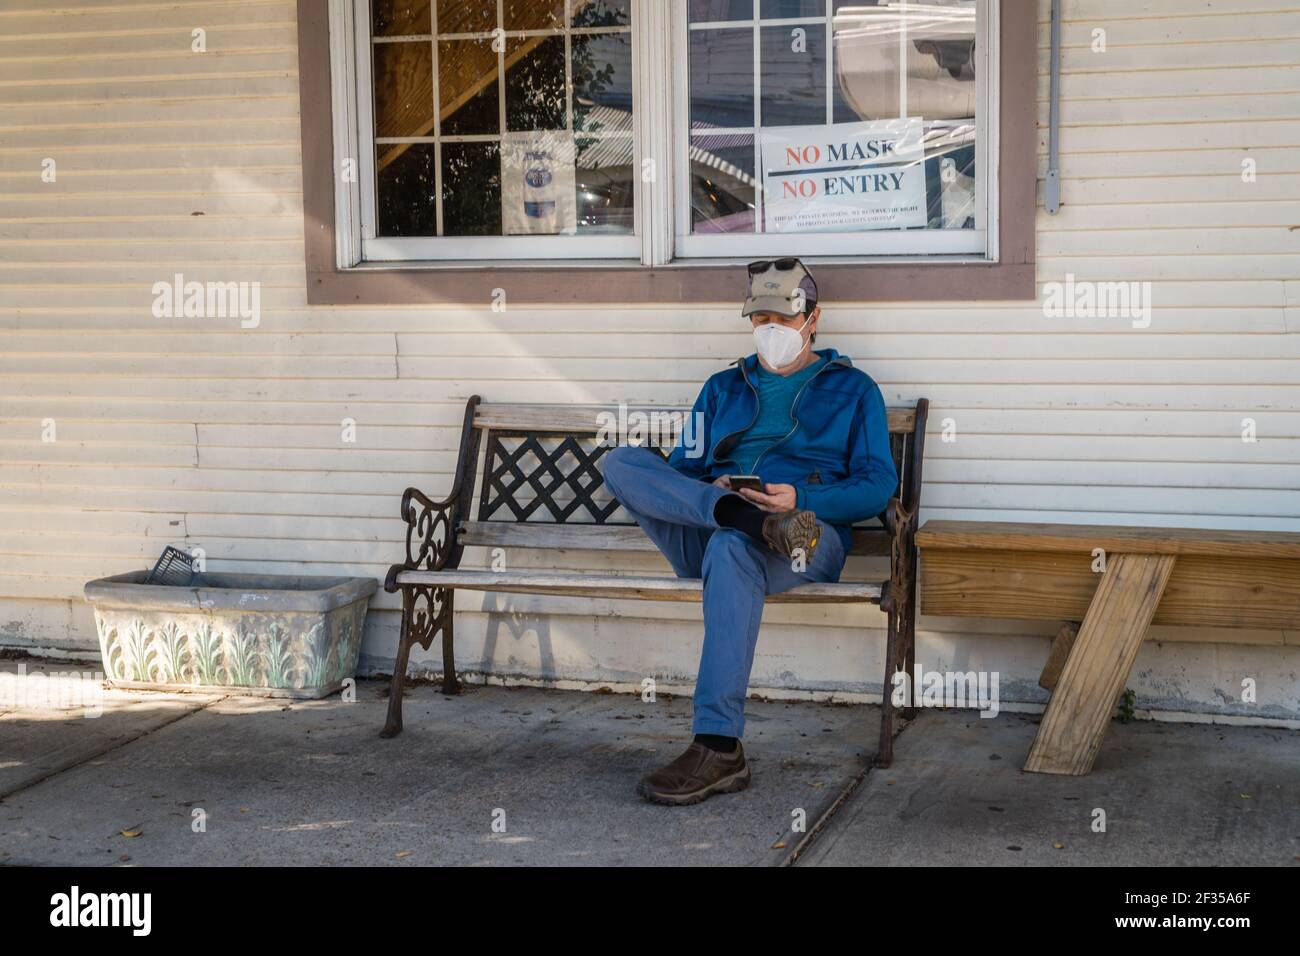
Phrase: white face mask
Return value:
(779, 345)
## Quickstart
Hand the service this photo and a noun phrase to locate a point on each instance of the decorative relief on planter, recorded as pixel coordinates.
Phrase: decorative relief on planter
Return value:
(270, 634)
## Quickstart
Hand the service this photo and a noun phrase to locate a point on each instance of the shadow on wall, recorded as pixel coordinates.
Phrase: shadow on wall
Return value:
(502, 620)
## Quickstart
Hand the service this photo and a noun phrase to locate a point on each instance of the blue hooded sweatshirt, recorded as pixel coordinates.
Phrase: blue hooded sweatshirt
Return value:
(836, 454)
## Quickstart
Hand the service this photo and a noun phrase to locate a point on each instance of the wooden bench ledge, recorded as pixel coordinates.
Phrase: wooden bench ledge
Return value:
(1178, 576)
(1010, 536)
(643, 587)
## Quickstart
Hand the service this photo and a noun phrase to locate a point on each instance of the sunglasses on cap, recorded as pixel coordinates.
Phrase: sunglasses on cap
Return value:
(785, 264)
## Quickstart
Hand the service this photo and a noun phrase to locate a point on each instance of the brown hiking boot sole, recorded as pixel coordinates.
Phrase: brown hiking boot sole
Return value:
(736, 782)
(801, 533)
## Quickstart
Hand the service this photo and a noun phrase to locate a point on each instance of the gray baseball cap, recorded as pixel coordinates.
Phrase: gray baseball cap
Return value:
(784, 286)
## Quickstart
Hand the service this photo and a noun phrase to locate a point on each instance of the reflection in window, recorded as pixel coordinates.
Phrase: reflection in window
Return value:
(405, 109)
(722, 182)
(793, 77)
(535, 92)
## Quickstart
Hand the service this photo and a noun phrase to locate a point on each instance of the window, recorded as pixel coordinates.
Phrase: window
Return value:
(497, 118)
(832, 127)
(663, 131)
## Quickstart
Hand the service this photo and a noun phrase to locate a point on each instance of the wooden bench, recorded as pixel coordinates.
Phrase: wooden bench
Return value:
(1177, 576)
(542, 488)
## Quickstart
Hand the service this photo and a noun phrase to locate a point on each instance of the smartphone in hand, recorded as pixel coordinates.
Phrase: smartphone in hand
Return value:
(746, 481)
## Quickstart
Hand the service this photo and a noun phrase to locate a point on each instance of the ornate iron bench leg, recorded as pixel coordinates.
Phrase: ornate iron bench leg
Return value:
(393, 725)
(907, 634)
(446, 619)
(899, 601)
(885, 752)
(425, 612)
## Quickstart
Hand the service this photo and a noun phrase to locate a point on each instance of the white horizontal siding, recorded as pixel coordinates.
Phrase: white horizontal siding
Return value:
(199, 433)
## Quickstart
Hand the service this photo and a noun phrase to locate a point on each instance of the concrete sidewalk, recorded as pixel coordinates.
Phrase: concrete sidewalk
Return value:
(1169, 795)
(311, 783)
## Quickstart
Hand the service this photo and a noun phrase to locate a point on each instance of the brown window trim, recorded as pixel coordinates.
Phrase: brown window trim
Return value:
(1010, 278)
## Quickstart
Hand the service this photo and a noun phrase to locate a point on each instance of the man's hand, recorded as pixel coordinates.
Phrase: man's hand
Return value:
(777, 497)
(723, 481)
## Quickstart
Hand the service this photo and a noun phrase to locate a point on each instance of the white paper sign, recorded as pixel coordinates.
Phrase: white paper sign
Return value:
(538, 184)
(847, 177)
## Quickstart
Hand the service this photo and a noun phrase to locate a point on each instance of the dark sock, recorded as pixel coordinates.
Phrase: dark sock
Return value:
(733, 511)
(717, 743)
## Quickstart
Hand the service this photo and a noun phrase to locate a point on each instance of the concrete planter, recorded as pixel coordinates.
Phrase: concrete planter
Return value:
(266, 634)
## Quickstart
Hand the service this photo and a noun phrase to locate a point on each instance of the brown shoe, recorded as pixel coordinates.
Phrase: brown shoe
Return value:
(697, 774)
(791, 531)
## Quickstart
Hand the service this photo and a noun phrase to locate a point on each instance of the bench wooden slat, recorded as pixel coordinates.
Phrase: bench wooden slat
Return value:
(598, 537)
(642, 587)
(584, 419)
(537, 534)
(1009, 536)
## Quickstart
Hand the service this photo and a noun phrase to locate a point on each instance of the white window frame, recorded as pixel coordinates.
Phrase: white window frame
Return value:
(661, 138)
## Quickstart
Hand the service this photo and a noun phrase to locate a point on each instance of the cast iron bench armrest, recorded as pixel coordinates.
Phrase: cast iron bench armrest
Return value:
(430, 525)
(436, 524)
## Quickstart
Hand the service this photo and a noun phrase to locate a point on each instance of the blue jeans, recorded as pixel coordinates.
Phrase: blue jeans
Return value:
(676, 512)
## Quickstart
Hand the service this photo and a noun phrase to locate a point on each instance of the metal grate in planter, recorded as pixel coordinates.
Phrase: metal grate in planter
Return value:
(174, 567)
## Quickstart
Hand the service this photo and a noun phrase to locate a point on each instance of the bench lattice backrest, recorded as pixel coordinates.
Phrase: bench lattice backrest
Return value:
(541, 463)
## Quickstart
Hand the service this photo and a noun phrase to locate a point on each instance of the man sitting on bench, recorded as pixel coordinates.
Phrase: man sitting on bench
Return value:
(786, 443)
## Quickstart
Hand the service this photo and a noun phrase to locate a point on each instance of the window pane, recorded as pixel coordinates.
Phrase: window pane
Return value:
(786, 9)
(403, 88)
(602, 13)
(602, 81)
(406, 199)
(535, 83)
(467, 87)
(471, 189)
(466, 16)
(950, 167)
(722, 182)
(537, 184)
(401, 18)
(707, 11)
(606, 185)
(794, 75)
(939, 44)
(534, 14)
(553, 184)
(722, 78)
